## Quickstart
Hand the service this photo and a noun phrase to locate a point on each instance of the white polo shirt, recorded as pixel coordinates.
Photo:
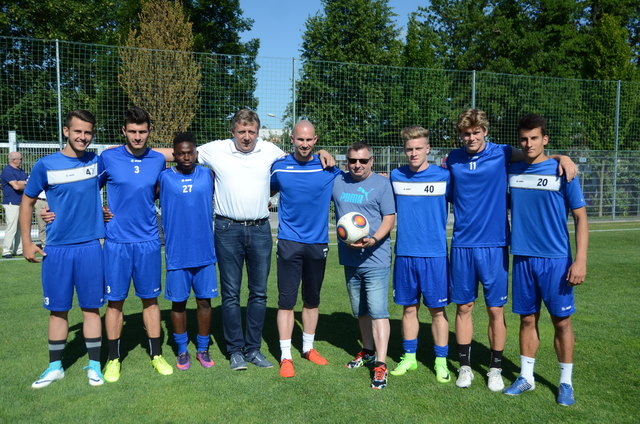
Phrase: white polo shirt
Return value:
(242, 182)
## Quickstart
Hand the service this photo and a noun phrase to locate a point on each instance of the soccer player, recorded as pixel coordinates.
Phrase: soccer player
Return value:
(420, 267)
(480, 236)
(542, 265)
(303, 240)
(73, 255)
(186, 199)
(367, 262)
(14, 180)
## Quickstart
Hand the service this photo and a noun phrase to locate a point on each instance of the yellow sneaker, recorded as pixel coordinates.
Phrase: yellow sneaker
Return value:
(161, 365)
(112, 371)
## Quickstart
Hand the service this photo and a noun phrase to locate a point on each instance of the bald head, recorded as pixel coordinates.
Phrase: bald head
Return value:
(303, 139)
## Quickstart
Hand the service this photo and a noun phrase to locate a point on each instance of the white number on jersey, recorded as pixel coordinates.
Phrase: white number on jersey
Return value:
(187, 188)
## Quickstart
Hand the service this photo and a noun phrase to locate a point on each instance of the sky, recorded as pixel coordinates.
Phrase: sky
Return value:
(279, 24)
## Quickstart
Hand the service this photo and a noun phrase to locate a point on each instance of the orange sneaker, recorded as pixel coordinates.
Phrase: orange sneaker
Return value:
(315, 357)
(286, 369)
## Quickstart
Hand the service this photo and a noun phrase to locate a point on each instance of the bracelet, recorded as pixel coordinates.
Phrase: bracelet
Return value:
(377, 241)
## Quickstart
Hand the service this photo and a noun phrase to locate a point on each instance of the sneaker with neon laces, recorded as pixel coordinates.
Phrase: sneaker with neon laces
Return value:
(183, 361)
(494, 380)
(286, 369)
(47, 377)
(204, 358)
(465, 377)
(361, 358)
(112, 371)
(407, 363)
(380, 373)
(442, 371)
(161, 365)
(519, 386)
(315, 357)
(95, 375)
(565, 395)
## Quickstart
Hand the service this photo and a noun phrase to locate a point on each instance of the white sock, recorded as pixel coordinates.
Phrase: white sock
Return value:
(566, 370)
(307, 342)
(285, 348)
(526, 367)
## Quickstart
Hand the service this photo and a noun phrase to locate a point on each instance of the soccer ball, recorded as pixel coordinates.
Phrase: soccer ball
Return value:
(352, 227)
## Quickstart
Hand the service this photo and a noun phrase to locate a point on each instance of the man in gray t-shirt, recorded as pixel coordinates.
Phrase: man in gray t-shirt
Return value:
(367, 262)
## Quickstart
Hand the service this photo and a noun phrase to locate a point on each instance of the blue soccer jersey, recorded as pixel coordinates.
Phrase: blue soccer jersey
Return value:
(421, 204)
(540, 203)
(73, 192)
(187, 217)
(131, 185)
(305, 194)
(479, 195)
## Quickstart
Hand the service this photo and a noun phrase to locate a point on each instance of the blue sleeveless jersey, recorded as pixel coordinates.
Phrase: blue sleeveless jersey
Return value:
(540, 203)
(421, 205)
(131, 186)
(73, 193)
(479, 195)
(305, 194)
(187, 217)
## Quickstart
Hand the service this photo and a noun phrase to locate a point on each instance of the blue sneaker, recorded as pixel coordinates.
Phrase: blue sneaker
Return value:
(49, 375)
(565, 395)
(519, 386)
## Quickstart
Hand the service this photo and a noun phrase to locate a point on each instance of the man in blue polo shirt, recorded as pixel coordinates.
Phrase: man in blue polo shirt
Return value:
(14, 180)
(542, 265)
(303, 213)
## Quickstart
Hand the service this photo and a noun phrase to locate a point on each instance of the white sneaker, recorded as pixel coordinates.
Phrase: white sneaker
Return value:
(495, 382)
(48, 376)
(95, 376)
(465, 377)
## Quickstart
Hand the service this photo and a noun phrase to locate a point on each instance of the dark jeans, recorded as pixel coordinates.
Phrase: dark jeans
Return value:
(237, 244)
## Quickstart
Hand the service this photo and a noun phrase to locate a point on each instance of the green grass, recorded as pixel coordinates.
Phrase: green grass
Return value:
(606, 374)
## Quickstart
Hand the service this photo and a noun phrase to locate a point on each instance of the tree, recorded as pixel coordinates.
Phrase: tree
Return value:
(159, 71)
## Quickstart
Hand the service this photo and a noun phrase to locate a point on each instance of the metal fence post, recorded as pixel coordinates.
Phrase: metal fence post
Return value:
(13, 143)
(615, 152)
(59, 93)
(293, 91)
(473, 89)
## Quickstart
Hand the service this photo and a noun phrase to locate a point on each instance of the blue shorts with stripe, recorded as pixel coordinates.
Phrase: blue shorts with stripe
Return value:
(73, 265)
(489, 265)
(141, 261)
(202, 279)
(542, 279)
(413, 277)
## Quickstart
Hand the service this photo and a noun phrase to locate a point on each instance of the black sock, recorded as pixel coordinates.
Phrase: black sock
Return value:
(93, 348)
(55, 350)
(496, 359)
(369, 352)
(155, 346)
(464, 351)
(114, 349)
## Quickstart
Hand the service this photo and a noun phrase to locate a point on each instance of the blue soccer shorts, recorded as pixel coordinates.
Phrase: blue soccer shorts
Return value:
(296, 262)
(542, 279)
(413, 277)
(73, 265)
(202, 279)
(141, 261)
(489, 265)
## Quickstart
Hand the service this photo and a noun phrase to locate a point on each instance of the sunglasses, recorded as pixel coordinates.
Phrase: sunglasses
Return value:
(362, 161)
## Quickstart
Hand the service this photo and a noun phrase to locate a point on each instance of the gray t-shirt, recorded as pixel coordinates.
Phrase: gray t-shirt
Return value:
(372, 197)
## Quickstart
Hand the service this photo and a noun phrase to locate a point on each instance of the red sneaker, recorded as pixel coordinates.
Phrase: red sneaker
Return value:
(315, 357)
(286, 369)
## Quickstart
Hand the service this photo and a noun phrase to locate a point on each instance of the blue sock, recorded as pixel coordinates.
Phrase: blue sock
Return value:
(56, 365)
(203, 343)
(410, 346)
(441, 351)
(181, 341)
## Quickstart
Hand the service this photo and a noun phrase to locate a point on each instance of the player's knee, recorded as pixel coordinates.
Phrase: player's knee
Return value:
(179, 307)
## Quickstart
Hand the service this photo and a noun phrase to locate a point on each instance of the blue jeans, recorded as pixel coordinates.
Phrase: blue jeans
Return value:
(237, 244)
(368, 289)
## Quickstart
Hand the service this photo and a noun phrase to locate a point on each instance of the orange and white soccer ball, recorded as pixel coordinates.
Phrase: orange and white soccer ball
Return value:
(352, 227)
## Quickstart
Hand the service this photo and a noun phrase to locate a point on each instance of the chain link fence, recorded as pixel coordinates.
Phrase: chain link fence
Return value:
(595, 122)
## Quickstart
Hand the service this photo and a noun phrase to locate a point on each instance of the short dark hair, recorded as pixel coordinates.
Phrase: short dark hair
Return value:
(184, 137)
(359, 145)
(533, 121)
(81, 114)
(137, 115)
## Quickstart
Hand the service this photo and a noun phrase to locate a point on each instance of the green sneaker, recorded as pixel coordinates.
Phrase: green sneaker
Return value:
(442, 372)
(161, 365)
(112, 371)
(407, 363)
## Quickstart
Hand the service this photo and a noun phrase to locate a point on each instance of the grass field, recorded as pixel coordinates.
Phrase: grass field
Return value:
(606, 376)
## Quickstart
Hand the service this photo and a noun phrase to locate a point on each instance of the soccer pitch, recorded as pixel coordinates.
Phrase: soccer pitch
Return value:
(606, 378)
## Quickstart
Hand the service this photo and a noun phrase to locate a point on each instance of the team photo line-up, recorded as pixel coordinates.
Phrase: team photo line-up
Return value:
(235, 178)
